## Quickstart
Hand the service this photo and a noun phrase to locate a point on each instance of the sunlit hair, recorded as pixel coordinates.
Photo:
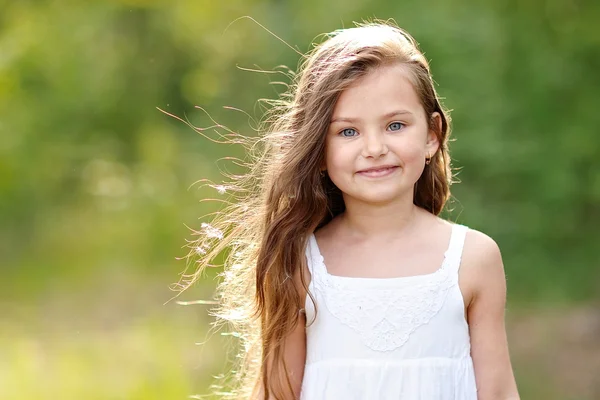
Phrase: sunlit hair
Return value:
(284, 198)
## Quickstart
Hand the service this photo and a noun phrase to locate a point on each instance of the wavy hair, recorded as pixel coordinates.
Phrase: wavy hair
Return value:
(284, 198)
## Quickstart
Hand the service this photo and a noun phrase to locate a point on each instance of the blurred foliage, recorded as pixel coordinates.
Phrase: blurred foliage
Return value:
(96, 183)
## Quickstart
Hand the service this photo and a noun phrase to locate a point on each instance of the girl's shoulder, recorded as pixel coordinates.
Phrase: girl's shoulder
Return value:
(481, 267)
(480, 249)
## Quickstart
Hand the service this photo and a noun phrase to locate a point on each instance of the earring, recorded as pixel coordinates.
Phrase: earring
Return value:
(428, 159)
(322, 172)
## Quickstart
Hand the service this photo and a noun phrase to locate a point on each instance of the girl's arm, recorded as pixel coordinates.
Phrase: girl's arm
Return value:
(294, 353)
(489, 345)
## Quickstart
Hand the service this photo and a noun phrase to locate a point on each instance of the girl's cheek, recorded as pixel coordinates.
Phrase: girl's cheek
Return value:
(411, 153)
(414, 150)
(416, 156)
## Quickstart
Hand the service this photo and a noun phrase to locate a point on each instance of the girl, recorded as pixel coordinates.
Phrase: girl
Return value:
(341, 280)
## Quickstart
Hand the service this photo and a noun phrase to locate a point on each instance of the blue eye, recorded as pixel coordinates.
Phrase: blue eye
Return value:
(395, 126)
(348, 132)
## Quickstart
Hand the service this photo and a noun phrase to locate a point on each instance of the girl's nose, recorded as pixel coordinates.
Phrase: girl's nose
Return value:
(374, 145)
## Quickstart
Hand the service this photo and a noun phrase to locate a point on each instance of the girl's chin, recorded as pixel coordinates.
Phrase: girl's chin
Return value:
(377, 196)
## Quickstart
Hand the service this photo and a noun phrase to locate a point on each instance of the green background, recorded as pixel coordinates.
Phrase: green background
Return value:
(98, 187)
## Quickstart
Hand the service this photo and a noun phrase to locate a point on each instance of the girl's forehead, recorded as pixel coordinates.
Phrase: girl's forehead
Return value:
(379, 92)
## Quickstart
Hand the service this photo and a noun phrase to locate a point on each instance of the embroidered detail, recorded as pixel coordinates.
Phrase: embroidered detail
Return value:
(385, 318)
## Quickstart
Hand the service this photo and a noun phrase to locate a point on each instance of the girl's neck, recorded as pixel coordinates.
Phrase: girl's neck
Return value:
(381, 221)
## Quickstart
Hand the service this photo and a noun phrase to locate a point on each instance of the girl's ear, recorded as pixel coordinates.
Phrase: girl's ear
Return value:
(435, 126)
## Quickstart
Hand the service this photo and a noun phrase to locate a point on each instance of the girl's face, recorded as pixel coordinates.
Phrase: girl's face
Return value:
(379, 138)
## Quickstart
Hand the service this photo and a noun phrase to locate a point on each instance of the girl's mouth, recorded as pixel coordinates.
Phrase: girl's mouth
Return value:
(379, 172)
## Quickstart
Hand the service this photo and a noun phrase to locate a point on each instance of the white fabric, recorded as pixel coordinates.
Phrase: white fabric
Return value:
(400, 338)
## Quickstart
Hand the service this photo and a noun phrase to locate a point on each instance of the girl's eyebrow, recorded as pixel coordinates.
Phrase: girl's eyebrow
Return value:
(386, 116)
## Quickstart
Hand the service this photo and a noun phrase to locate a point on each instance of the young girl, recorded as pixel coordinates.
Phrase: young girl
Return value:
(341, 280)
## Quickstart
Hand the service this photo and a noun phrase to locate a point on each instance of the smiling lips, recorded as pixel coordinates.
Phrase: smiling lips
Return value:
(377, 172)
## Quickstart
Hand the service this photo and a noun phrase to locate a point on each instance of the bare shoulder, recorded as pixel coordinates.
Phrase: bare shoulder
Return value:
(480, 249)
(489, 344)
(482, 268)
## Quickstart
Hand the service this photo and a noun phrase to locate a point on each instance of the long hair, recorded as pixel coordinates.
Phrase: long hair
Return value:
(284, 198)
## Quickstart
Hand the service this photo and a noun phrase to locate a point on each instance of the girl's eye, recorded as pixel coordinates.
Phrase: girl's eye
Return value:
(348, 132)
(395, 126)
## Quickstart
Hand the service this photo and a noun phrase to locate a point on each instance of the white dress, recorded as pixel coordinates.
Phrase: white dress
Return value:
(400, 338)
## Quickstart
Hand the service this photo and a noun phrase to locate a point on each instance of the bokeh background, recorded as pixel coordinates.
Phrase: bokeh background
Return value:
(97, 187)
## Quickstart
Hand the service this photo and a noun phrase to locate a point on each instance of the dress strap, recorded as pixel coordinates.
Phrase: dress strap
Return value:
(455, 248)
(312, 255)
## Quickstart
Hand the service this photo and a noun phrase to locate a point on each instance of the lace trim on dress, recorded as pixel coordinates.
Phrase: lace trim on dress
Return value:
(385, 318)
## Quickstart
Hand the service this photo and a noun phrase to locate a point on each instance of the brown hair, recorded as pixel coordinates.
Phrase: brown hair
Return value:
(284, 198)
